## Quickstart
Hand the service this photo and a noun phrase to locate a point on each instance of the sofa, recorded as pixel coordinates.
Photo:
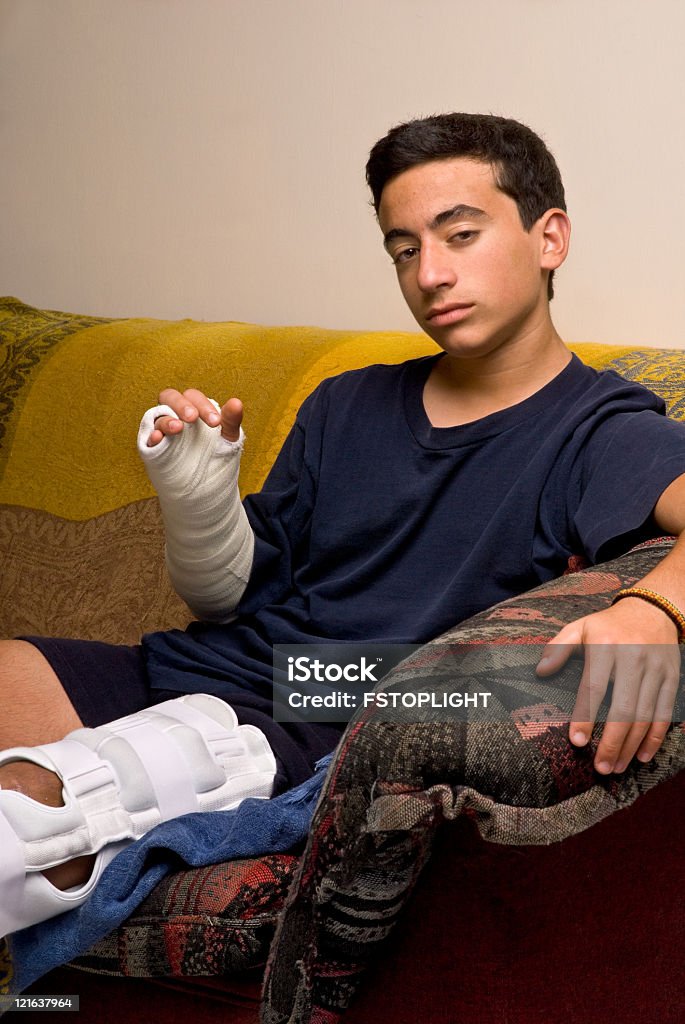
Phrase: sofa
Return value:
(455, 871)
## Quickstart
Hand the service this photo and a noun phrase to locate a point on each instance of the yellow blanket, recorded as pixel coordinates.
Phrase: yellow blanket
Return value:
(81, 548)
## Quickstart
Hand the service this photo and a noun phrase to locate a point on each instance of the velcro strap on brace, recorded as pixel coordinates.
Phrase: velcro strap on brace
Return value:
(167, 768)
(82, 772)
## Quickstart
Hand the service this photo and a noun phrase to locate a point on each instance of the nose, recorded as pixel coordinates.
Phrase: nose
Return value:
(436, 267)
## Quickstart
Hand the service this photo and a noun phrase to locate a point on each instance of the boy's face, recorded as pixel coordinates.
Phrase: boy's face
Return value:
(470, 273)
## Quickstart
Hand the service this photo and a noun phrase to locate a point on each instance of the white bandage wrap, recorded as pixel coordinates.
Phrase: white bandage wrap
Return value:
(209, 541)
(119, 781)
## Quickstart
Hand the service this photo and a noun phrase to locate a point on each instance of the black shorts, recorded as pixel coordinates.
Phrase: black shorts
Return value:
(108, 681)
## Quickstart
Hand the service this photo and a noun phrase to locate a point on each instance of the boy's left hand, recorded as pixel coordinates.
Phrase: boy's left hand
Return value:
(634, 644)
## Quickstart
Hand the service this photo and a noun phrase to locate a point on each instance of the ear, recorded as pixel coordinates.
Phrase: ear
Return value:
(555, 235)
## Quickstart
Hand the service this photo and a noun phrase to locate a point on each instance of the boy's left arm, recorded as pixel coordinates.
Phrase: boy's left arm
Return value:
(634, 643)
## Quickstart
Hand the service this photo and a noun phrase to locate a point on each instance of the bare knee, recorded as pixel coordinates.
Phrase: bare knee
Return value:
(35, 707)
(46, 787)
(32, 780)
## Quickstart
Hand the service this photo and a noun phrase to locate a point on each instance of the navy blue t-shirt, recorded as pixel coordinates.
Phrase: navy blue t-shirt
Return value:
(375, 526)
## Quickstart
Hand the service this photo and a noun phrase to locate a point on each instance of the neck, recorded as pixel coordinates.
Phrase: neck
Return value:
(462, 389)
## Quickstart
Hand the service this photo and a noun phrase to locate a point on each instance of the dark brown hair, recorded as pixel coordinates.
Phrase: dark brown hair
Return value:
(522, 165)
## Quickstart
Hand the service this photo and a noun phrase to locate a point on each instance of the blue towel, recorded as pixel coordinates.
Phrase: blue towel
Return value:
(254, 828)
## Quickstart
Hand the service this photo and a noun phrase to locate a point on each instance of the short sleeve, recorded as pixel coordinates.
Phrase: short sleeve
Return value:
(280, 513)
(627, 464)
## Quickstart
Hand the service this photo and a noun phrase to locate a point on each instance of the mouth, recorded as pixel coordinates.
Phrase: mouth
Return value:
(441, 316)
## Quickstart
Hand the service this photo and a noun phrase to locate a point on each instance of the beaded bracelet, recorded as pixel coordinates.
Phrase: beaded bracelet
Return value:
(674, 614)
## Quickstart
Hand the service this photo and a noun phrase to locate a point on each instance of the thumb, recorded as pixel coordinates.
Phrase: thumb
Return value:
(231, 418)
(560, 648)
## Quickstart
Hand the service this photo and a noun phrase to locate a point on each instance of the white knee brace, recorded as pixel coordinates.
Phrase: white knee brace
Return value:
(119, 781)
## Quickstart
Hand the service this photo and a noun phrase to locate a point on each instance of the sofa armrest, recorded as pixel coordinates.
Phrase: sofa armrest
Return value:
(394, 782)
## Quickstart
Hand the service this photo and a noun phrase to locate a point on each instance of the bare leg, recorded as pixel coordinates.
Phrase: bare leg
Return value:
(35, 709)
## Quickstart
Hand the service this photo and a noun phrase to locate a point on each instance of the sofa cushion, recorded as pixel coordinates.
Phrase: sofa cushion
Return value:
(215, 920)
(397, 780)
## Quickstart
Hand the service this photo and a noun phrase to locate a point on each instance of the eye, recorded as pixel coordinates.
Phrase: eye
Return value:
(467, 235)
(404, 255)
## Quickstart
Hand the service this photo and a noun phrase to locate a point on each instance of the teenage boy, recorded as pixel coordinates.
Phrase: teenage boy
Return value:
(397, 491)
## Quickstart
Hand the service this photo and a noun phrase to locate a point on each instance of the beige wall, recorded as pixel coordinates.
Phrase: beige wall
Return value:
(204, 158)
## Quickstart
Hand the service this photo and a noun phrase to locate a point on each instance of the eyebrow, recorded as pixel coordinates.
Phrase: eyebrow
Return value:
(458, 212)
